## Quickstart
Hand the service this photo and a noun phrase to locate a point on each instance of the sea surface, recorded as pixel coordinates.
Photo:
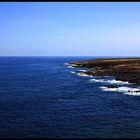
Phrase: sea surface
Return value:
(42, 97)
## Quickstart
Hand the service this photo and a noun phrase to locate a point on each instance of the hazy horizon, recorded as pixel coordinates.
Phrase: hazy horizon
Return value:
(70, 29)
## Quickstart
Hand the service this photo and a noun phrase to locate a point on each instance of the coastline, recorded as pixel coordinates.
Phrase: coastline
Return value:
(124, 69)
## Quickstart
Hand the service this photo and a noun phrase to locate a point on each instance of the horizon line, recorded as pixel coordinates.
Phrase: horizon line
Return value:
(67, 56)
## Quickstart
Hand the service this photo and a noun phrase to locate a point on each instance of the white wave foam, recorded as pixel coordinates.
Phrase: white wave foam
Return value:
(70, 67)
(97, 80)
(109, 81)
(108, 89)
(133, 93)
(66, 64)
(125, 90)
(80, 74)
(83, 70)
(73, 72)
(117, 82)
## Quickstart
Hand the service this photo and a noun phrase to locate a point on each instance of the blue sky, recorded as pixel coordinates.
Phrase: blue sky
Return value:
(69, 29)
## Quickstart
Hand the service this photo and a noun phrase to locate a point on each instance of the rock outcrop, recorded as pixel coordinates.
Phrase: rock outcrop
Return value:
(124, 69)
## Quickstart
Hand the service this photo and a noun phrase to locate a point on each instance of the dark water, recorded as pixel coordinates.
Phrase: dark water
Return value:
(40, 97)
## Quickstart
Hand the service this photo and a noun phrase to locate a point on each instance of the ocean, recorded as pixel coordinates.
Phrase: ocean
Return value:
(42, 97)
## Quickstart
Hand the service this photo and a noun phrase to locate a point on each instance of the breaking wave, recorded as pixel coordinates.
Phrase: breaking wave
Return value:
(83, 70)
(109, 81)
(70, 67)
(81, 74)
(124, 90)
(132, 93)
(73, 72)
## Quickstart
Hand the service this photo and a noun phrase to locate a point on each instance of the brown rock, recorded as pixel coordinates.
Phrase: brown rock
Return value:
(124, 69)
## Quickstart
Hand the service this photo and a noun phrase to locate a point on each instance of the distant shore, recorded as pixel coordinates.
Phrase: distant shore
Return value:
(124, 69)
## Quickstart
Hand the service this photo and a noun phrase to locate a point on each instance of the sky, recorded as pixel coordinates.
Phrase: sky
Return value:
(69, 28)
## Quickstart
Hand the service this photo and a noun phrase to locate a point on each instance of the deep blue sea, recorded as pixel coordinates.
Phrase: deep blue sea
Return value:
(42, 97)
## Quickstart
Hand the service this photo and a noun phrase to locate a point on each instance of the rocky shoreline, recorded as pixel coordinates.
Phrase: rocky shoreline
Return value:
(124, 69)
